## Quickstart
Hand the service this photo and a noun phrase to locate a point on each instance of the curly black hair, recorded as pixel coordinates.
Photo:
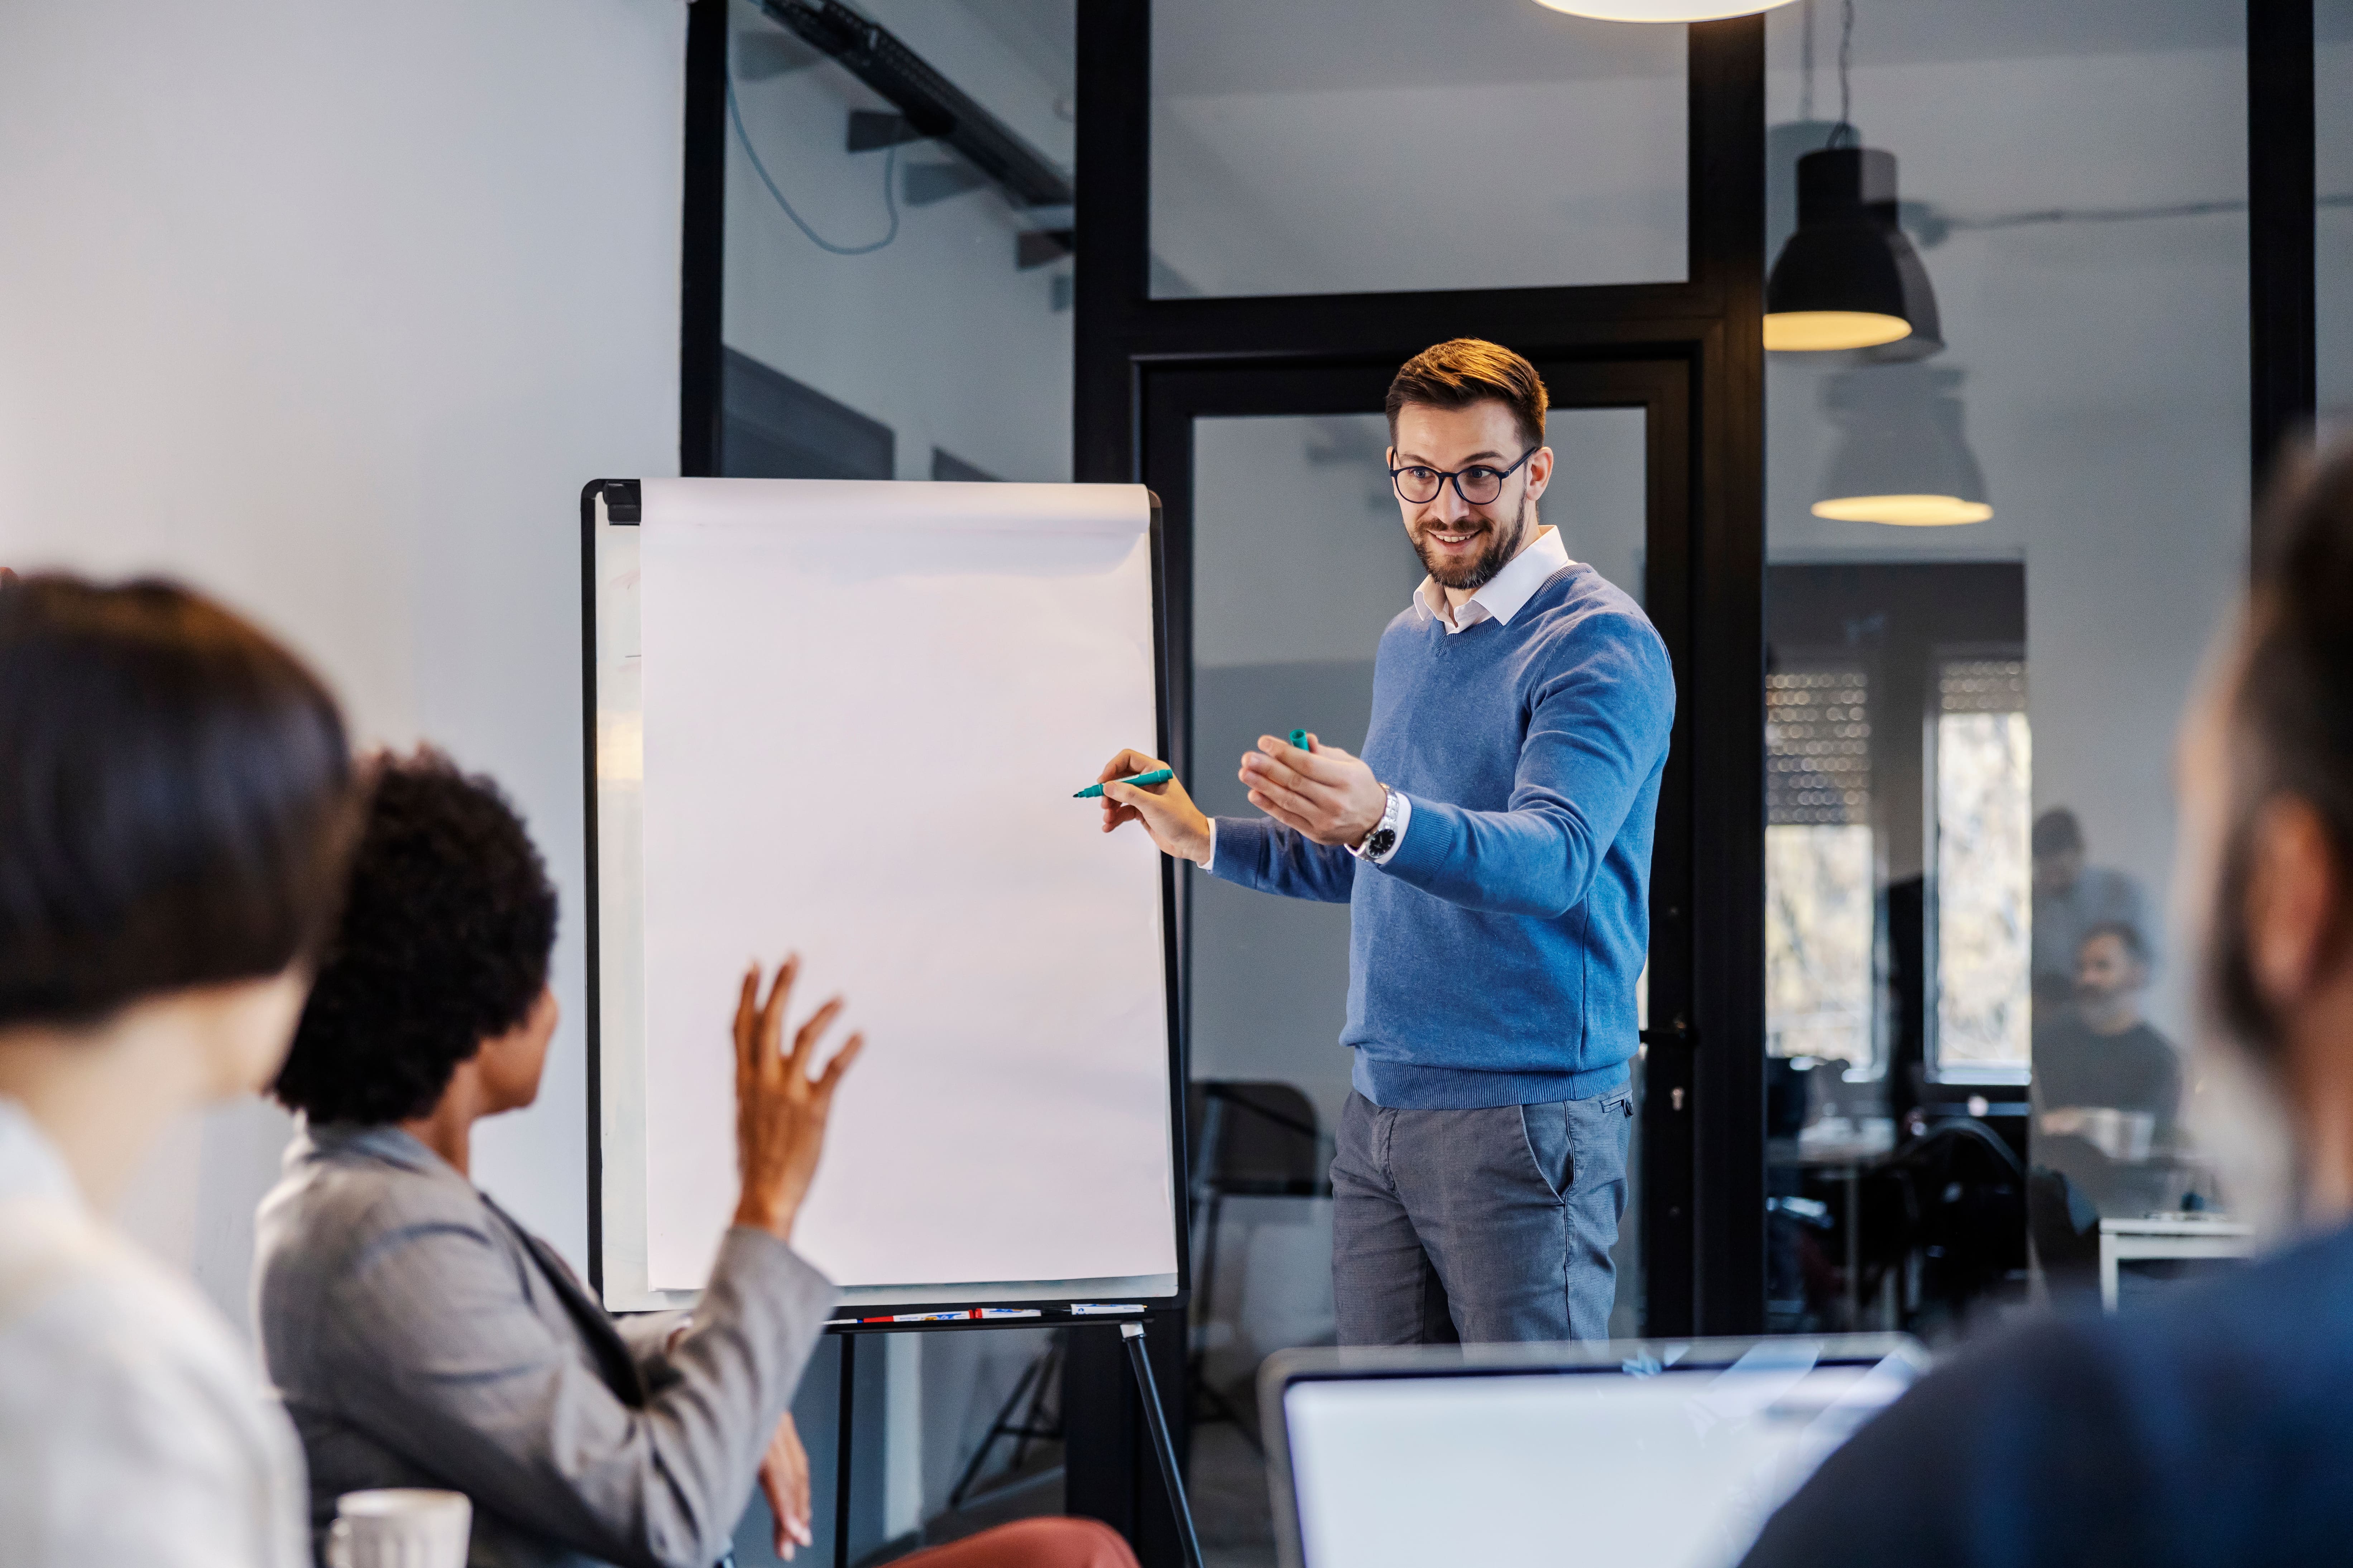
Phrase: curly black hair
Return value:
(444, 942)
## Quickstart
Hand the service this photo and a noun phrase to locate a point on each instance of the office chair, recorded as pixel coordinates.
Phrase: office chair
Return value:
(1248, 1140)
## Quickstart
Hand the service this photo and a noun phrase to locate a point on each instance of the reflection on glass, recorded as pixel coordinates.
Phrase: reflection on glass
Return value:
(891, 312)
(1819, 922)
(2076, 185)
(1984, 795)
(2333, 182)
(1345, 146)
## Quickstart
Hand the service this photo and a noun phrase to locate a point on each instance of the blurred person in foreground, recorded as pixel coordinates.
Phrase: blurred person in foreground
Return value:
(2215, 1425)
(176, 805)
(421, 1337)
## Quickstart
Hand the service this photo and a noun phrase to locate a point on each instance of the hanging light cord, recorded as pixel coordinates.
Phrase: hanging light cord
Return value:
(890, 193)
(1806, 60)
(1843, 133)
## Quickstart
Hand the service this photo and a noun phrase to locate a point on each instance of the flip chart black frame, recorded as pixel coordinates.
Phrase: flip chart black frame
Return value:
(623, 502)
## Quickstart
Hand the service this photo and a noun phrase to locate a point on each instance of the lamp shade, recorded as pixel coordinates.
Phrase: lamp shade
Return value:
(1848, 278)
(1661, 10)
(1902, 457)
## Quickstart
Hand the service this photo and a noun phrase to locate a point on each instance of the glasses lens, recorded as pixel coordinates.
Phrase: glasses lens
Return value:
(1481, 486)
(1419, 485)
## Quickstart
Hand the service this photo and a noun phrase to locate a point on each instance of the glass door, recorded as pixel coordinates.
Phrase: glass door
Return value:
(1287, 560)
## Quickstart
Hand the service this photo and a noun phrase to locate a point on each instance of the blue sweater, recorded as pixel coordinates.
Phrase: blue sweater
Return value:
(1491, 960)
(2212, 1425)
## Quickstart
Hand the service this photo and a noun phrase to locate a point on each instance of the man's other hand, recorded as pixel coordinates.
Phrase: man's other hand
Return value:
(1166, 811)
(1321, 791)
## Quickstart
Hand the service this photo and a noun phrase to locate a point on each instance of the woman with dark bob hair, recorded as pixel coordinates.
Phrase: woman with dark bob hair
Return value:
(421, 1338)
(176, 805)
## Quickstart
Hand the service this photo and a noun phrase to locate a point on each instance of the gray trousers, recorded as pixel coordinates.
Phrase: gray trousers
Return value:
(1477, 1225)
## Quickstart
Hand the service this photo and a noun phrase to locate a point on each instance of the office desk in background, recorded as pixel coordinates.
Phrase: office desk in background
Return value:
(2166, 1238)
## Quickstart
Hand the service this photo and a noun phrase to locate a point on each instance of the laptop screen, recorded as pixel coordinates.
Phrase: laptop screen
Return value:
(1659, 1461)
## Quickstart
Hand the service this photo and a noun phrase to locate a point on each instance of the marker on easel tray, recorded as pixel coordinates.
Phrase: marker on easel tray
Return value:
(1098, 1308)
(968, 1314)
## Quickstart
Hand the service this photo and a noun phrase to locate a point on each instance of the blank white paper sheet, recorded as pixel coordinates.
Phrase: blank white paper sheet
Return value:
(866, 706)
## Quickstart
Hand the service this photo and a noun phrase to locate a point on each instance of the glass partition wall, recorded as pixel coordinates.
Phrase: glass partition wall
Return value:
(2333, 219)
(891, 310)
(1975, 1007)
(1915, 1012)
(1349, 146)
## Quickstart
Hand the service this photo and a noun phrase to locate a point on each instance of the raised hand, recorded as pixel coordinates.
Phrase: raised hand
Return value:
(780, 1109)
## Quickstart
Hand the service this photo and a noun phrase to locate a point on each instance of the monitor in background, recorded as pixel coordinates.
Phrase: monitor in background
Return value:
(1633, 1453)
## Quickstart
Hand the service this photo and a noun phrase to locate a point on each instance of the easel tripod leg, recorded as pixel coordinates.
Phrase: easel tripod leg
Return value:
(1164, 1447)
(842, 1453)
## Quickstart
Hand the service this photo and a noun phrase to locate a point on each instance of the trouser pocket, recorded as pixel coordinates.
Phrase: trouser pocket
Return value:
(1544, 1129)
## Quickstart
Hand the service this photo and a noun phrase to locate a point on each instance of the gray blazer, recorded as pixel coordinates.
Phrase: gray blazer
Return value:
(419, 1337)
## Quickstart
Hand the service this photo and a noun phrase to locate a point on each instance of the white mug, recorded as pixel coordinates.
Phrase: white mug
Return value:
(405, 1527)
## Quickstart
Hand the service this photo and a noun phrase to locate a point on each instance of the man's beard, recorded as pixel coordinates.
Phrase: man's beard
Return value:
(1479, 571)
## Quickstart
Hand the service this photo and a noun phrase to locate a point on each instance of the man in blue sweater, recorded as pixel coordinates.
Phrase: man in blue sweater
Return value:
(1494, 845)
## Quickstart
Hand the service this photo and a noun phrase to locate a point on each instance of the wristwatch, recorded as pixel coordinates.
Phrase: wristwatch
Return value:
(1384, 836)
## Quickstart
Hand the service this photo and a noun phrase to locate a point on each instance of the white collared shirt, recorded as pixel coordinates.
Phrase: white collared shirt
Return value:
(1503, 596)
(133, 1426)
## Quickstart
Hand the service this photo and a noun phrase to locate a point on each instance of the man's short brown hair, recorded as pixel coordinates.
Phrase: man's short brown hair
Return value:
(2291, 707)
(1460, 371)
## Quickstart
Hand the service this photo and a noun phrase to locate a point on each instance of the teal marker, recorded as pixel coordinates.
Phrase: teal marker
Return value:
(1157, 775)
(1299, 739)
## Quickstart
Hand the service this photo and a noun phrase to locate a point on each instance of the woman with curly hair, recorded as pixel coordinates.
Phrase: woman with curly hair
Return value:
(422, 1338)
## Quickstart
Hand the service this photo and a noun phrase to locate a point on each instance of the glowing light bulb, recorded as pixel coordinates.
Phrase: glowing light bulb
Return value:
(1661, 10)
(1817, 332)
(1903, 512)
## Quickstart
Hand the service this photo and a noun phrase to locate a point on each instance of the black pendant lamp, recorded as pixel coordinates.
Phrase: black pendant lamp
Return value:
(1848, 278)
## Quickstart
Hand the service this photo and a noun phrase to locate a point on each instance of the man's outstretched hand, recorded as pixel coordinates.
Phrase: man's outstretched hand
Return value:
(1322, 791)
(1166, 811)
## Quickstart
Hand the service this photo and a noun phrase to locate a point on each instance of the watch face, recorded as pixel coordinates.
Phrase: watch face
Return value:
(1380, 842)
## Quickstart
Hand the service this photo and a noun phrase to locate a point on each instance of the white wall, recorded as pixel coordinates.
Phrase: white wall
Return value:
(331, 309)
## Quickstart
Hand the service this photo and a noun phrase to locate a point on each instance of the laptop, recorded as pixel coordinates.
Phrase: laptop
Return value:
(1633, 1453)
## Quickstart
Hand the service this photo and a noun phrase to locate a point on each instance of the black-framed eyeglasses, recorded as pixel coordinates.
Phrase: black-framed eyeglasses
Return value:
(1418, 484)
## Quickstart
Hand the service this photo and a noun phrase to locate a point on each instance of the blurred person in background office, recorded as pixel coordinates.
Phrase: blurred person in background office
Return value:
(2215, 1425)
(2070, 898)
(421, 1337)
(2107, 1086)
(175, 803)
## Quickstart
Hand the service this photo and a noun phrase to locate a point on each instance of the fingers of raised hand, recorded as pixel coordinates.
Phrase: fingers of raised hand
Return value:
(839, 1064)
(805, 1041)
(747, 1019)
(772, 1012)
